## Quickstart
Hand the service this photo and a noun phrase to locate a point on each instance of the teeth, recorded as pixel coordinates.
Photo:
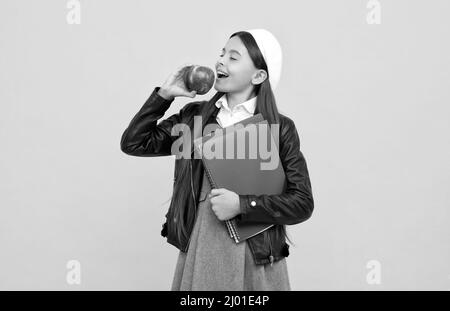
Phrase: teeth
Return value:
(222, 74)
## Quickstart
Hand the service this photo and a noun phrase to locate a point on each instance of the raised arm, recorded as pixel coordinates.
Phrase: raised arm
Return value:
(144, 137)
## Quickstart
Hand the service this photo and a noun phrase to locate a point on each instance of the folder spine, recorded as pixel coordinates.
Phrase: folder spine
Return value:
(230, 229)
(235, 231)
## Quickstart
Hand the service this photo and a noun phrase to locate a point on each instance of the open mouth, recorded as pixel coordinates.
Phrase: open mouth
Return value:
(221, 76)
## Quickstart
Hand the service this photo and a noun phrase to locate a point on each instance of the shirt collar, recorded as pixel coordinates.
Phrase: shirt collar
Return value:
(249, 105)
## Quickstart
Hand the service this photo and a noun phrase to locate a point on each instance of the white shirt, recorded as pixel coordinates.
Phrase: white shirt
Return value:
(227, 117)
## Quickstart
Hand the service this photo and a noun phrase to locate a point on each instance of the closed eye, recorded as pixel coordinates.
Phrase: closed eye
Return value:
(230, 57)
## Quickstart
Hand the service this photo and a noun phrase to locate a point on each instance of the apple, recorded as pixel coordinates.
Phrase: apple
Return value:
(198, 78)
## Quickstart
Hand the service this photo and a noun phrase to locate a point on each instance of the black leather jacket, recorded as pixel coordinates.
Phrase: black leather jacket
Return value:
(145, 137)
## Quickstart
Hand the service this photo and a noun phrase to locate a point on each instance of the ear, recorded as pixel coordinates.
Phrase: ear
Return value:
(259, 77)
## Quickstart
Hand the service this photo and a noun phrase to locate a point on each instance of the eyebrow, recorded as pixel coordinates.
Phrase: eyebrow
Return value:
(223, 49)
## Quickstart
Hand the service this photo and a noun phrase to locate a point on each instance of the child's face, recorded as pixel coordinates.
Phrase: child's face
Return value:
(236, 62)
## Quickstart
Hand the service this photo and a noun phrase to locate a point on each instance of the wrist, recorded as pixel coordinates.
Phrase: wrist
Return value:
(164, 93)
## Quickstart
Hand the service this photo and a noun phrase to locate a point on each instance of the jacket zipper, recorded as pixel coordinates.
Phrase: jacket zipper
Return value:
(271, 258)
(195, 208)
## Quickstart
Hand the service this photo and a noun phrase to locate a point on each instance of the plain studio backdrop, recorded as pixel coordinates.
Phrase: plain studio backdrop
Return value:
(370, 102)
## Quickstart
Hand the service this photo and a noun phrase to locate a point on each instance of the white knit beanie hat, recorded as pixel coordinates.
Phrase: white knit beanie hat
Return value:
(271, 50)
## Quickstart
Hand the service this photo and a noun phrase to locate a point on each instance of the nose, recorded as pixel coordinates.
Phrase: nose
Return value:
(220, 61)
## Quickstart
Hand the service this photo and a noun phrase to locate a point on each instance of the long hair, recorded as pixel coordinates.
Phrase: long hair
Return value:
(265, 104)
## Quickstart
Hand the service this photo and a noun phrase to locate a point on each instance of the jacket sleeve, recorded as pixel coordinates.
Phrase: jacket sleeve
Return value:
(144, 137)
(296, 203)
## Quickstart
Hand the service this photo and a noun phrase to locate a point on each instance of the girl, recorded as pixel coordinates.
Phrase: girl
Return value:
(209, 259)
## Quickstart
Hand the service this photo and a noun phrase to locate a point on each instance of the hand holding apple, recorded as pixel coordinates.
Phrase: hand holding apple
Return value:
(188, 80)
(175, 86)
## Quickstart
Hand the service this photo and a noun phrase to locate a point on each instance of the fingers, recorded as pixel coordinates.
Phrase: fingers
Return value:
(189, 94)
(215, 192)
(184, 65)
